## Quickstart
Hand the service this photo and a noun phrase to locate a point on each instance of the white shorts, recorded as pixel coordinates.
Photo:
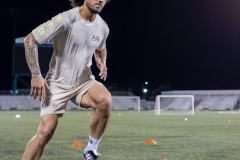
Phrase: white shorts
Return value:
(57, 97)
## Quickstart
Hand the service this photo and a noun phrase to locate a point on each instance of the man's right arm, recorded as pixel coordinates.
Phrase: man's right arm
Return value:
(31, 53)
(38, 83)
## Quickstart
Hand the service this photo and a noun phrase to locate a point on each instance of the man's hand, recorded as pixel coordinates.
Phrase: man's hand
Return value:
(38, 88)
(103, 69)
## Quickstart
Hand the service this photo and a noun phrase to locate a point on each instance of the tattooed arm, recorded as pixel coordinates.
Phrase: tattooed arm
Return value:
(31, 52)
(38, 83)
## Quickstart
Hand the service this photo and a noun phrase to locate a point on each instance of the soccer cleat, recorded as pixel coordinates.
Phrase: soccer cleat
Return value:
(91, 155)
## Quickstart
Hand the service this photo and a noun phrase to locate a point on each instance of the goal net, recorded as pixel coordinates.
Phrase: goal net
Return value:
(126, 103)
(174, 105)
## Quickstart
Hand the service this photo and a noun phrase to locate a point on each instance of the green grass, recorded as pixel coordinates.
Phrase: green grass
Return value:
(205, 136)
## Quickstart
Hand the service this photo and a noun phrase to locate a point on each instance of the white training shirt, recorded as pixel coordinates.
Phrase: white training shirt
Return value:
(74, 43)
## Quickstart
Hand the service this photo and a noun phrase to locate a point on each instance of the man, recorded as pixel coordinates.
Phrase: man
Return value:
(77, 35)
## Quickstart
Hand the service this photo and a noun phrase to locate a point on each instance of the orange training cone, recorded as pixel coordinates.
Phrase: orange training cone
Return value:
(228, 121)
(150, 141)
(78, 144)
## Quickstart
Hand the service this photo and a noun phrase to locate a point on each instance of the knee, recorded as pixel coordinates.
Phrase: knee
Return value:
(105, 104)
(45, 135)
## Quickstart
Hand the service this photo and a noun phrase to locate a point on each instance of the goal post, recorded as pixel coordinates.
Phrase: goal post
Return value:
(126, 103)
(174, 105)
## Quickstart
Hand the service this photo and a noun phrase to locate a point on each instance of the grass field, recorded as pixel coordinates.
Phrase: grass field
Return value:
(205, 136)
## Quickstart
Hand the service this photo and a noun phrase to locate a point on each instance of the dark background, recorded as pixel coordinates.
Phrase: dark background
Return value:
(173, 44)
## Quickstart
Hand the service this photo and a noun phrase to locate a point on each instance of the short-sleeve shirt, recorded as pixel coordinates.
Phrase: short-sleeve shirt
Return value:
(74, 43)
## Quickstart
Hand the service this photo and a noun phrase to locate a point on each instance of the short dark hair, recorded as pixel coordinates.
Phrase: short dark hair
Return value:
(77, 3)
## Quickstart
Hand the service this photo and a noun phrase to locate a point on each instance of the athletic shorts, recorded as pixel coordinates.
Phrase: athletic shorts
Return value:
(57, 97)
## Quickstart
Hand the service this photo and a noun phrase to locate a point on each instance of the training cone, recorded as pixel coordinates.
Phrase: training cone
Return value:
(150, 141)
(78, 144)
(163, 158)
(228, 121)
(18, 116)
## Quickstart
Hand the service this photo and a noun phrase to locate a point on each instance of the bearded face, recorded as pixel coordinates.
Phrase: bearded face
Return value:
(95, 6)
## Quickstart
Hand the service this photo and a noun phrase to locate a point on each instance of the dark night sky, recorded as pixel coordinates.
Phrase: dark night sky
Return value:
(189, 44)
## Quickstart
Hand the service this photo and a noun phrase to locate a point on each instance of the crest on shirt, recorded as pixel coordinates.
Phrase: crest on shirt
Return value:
(74, 34)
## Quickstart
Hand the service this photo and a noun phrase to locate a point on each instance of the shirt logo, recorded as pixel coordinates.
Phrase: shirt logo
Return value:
(50, 25)
(95, 38)
(41, 31)
(59, 17)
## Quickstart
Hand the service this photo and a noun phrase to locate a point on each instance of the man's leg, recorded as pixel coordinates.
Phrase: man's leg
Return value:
(99, 98)
(35, 146)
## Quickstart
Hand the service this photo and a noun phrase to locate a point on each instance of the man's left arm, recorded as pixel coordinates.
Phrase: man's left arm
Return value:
(101, 59)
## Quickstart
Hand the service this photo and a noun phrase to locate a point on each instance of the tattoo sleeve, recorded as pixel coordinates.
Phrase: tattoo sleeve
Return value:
(31, 53)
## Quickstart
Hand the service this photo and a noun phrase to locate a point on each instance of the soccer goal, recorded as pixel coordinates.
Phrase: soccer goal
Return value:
(126, 103)
(174, 105)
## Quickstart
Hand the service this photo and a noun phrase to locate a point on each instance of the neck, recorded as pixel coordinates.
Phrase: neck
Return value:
(86, 14)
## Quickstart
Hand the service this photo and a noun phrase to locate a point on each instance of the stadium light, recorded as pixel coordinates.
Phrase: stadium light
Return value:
(145, 90)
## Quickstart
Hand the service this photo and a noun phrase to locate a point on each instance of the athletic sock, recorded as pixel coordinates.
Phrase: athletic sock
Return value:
(92, 143)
